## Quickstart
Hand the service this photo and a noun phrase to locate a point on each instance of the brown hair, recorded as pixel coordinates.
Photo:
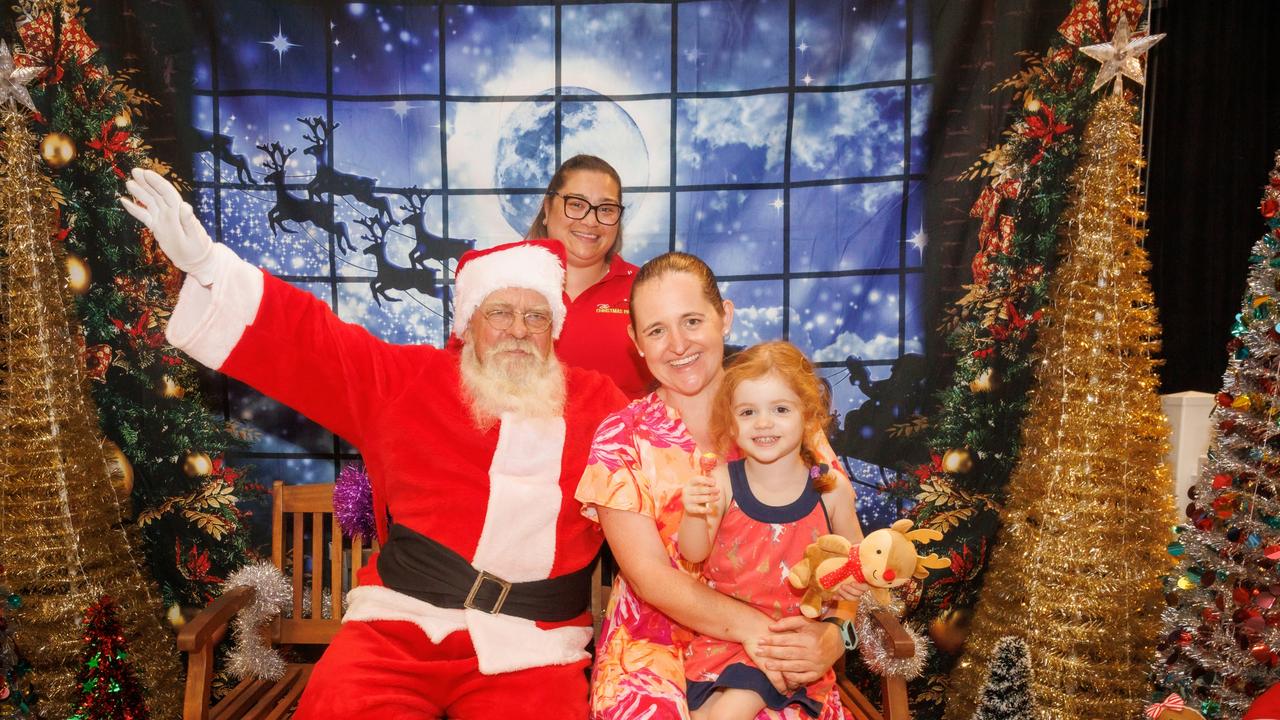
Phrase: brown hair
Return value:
(678, 262)
(589, 163)
(787, 362)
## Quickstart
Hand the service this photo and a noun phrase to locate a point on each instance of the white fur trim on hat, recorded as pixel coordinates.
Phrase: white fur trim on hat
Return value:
(524, 266)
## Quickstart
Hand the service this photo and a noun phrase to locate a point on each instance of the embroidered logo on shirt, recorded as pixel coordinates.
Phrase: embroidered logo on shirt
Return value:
(606, 308)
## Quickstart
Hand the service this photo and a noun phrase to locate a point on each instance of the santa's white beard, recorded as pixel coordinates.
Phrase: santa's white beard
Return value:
(524, 384)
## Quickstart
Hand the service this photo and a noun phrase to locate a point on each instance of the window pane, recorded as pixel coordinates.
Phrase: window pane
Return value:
(386, 49)
(731, 140)
(483, 56)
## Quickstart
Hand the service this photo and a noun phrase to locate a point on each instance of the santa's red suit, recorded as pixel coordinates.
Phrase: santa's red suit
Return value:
(502, 498)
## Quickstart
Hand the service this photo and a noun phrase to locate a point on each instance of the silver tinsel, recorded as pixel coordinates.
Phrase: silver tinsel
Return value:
(872, 642)
(326, 604)
(252, 656)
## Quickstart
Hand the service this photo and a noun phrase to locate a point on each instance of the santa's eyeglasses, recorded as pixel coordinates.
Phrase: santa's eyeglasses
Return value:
(501, 318)
(576, 208)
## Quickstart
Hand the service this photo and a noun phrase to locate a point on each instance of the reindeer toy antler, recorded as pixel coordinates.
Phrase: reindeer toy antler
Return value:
(885, 559)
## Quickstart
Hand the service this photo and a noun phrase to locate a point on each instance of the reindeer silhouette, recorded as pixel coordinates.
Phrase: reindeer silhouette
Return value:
(428, 245)
(220, 147)
(328, 180)
(290, 207)
(389, 275)
(865, 434)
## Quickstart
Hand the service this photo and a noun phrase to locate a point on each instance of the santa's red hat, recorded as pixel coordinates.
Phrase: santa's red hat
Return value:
(536, 265)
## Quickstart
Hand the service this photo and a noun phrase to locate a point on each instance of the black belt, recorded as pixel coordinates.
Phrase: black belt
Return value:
(414, 564)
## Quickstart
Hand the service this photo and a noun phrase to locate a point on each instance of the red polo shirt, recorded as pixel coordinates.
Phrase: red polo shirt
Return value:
(595, 331)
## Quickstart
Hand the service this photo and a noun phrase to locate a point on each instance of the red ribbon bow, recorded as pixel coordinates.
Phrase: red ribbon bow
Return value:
(1173, 702)
(852, 568)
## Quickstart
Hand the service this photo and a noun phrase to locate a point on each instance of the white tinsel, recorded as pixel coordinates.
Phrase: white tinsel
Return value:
(872, 641)
(252, 656)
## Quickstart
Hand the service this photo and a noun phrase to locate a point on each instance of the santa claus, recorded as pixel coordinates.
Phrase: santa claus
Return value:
(477, 605)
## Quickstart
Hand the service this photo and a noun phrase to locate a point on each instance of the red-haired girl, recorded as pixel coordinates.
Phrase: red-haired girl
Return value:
(751, 520)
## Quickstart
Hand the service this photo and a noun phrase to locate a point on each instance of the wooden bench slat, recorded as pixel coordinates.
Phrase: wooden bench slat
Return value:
(272, 698)
(285, 706)
(241, 697)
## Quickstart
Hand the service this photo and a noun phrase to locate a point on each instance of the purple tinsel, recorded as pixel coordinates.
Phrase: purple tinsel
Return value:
(353, 501)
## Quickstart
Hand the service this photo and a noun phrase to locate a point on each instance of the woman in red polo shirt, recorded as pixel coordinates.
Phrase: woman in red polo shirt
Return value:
(583, 209)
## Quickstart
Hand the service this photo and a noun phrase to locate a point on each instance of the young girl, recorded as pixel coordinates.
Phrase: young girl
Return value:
(752, 520)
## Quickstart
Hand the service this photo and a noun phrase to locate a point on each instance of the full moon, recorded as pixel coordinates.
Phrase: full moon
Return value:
(526, 153)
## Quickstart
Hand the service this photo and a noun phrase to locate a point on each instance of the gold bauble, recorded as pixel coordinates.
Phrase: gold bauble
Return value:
(197, 464)
(950, 629)
(957, 461)
(123, 120)
(171, 389)
(987, 381)
(119, 468)
(1031, 103)
(78, 274)
(57, 149)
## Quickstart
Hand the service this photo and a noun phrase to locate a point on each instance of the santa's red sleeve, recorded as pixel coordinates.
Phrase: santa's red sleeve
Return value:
(288, 345)
(1266, 706)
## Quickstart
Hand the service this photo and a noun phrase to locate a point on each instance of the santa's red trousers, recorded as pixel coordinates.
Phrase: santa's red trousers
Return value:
(392, 668)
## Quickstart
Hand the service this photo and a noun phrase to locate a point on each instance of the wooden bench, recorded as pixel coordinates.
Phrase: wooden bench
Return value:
(333, 562)
(335, 559)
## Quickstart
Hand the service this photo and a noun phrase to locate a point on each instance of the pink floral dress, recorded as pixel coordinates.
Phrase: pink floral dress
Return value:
(639, 462)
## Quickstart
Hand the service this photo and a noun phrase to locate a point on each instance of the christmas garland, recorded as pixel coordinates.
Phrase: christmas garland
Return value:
(167, 448)
(973, 435)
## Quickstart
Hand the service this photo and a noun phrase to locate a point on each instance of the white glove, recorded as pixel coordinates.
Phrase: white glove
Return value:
(157, 204)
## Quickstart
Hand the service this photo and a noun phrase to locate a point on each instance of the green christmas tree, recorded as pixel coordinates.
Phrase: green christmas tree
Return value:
(167, 448)
(973, 435)
(1007, 692)
(108, 685)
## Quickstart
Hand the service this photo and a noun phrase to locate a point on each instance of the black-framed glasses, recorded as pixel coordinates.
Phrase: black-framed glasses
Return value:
(576, 208)
(502, 318)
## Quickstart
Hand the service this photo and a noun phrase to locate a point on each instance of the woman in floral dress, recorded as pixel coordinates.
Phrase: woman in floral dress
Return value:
(640, 460)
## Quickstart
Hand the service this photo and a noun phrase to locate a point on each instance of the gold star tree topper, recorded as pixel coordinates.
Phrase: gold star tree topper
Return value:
(13, 81)
(1119, 57)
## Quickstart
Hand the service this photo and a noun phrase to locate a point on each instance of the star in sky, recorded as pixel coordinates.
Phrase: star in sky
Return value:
(777, 204)
(918, 241)
(1120, 56)
(803, 46)
(279, 43)
(401, 108)
(807, 79)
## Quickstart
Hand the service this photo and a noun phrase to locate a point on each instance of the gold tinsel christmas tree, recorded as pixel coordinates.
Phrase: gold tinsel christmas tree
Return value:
(1082, 549)
(62, 539)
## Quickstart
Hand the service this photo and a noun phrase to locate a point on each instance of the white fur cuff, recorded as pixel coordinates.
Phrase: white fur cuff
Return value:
(209, 321)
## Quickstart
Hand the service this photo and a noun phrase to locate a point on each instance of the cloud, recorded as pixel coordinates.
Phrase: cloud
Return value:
(756, 121)
(880, 347)
(849, 132)
(756, 324)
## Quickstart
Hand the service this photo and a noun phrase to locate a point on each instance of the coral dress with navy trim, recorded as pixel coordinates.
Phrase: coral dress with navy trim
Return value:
(753, 552)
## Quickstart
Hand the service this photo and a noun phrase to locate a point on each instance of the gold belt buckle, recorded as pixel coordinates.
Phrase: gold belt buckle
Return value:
(475, 588)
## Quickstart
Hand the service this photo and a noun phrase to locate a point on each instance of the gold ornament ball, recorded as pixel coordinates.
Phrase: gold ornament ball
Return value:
(171, 389)
(950, 629)
(119, 468)
(78, 274)
(987, 381)
(57, 149)
(123, 120)
(1031, 103)
(957, 461)
(197, 464)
